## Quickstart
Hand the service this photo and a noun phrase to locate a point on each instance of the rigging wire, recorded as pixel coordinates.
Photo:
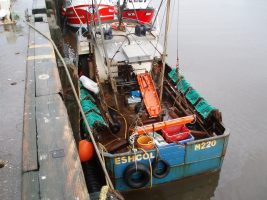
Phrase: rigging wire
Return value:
(129, 33)
(149, 3)
(81, 24)
(164, 56)
(162, 1)
(160, 31)
(135, 12)
(177, 32)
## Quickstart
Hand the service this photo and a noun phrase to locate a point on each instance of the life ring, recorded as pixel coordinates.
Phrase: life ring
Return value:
(164, 172)
(136, 175)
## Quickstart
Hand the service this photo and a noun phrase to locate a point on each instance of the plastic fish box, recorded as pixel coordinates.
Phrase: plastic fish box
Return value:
(133, 100)
(135, 93)
(190, 139)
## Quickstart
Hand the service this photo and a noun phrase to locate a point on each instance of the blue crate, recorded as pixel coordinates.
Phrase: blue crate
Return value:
(190, 139)
(135, 93)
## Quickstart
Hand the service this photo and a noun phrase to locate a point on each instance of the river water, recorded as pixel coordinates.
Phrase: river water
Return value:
(223, 53)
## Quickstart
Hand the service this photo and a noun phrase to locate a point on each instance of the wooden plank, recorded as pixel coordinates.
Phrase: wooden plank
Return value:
(29, 148)
(60, 172)
(30, 186)
(46, 71)
(47, 78)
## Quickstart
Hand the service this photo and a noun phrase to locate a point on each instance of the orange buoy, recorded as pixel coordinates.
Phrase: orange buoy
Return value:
(86, 150)
(164, 124)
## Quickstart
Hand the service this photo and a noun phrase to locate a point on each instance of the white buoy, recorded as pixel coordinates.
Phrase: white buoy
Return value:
(89, 84)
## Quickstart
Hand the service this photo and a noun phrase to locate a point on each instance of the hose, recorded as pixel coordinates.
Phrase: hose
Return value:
(92, 179)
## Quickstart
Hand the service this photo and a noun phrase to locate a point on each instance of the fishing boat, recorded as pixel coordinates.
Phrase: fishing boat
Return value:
(143, 122)
(81, 12)
(140, 11)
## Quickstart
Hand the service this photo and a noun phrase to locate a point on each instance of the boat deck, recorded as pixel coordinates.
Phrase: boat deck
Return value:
(126, 46)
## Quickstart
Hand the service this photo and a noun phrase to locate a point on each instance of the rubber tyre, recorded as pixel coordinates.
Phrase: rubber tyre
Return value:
(136, 183)
(162, 174)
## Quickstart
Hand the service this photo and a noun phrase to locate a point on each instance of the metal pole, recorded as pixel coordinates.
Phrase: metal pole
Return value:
(165, 46)
(106, 56)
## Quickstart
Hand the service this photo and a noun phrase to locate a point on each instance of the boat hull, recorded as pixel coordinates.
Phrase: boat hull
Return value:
(79, 15)
(193, 158)
(143, 16)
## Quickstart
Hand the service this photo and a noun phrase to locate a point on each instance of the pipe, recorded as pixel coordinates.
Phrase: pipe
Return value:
(164, 124)
(112, 81)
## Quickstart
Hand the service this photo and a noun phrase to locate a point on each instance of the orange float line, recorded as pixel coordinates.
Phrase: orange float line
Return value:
(165, 124)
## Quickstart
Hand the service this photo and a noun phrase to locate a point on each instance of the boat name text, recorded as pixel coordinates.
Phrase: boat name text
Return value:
(132, 158)
(205, 145)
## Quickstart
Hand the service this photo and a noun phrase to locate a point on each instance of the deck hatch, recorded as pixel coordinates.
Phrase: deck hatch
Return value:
(134, 53)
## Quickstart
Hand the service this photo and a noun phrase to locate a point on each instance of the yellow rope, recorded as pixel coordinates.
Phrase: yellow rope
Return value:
(125, 122)
(150, 167)
(111, 142)
(102, 147)
(103, 192)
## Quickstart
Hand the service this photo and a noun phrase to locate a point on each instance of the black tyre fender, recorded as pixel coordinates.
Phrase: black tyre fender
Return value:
(144, 175)
(164, 172)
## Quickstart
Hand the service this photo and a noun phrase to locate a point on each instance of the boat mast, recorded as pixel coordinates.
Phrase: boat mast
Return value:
(121, 8)
(164, 55)
(112, 81)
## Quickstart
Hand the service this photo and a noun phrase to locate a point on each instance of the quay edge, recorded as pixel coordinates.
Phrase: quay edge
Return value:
(59, 173)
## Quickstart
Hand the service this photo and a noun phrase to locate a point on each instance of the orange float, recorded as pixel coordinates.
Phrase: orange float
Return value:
(165, 124)
(86, 150)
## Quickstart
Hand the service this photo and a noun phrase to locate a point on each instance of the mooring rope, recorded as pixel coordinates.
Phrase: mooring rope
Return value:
(79, 104)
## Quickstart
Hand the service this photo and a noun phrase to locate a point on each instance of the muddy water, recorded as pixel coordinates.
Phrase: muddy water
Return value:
(223, 50)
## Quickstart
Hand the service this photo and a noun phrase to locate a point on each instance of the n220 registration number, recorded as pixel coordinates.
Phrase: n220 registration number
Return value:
(205, 145)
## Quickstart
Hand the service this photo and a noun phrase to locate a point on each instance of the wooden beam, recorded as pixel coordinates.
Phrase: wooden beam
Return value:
(60, 172)
(30, 186)
(29, 148)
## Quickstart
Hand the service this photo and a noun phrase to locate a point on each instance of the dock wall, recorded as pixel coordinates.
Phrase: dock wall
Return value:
(51, 167)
